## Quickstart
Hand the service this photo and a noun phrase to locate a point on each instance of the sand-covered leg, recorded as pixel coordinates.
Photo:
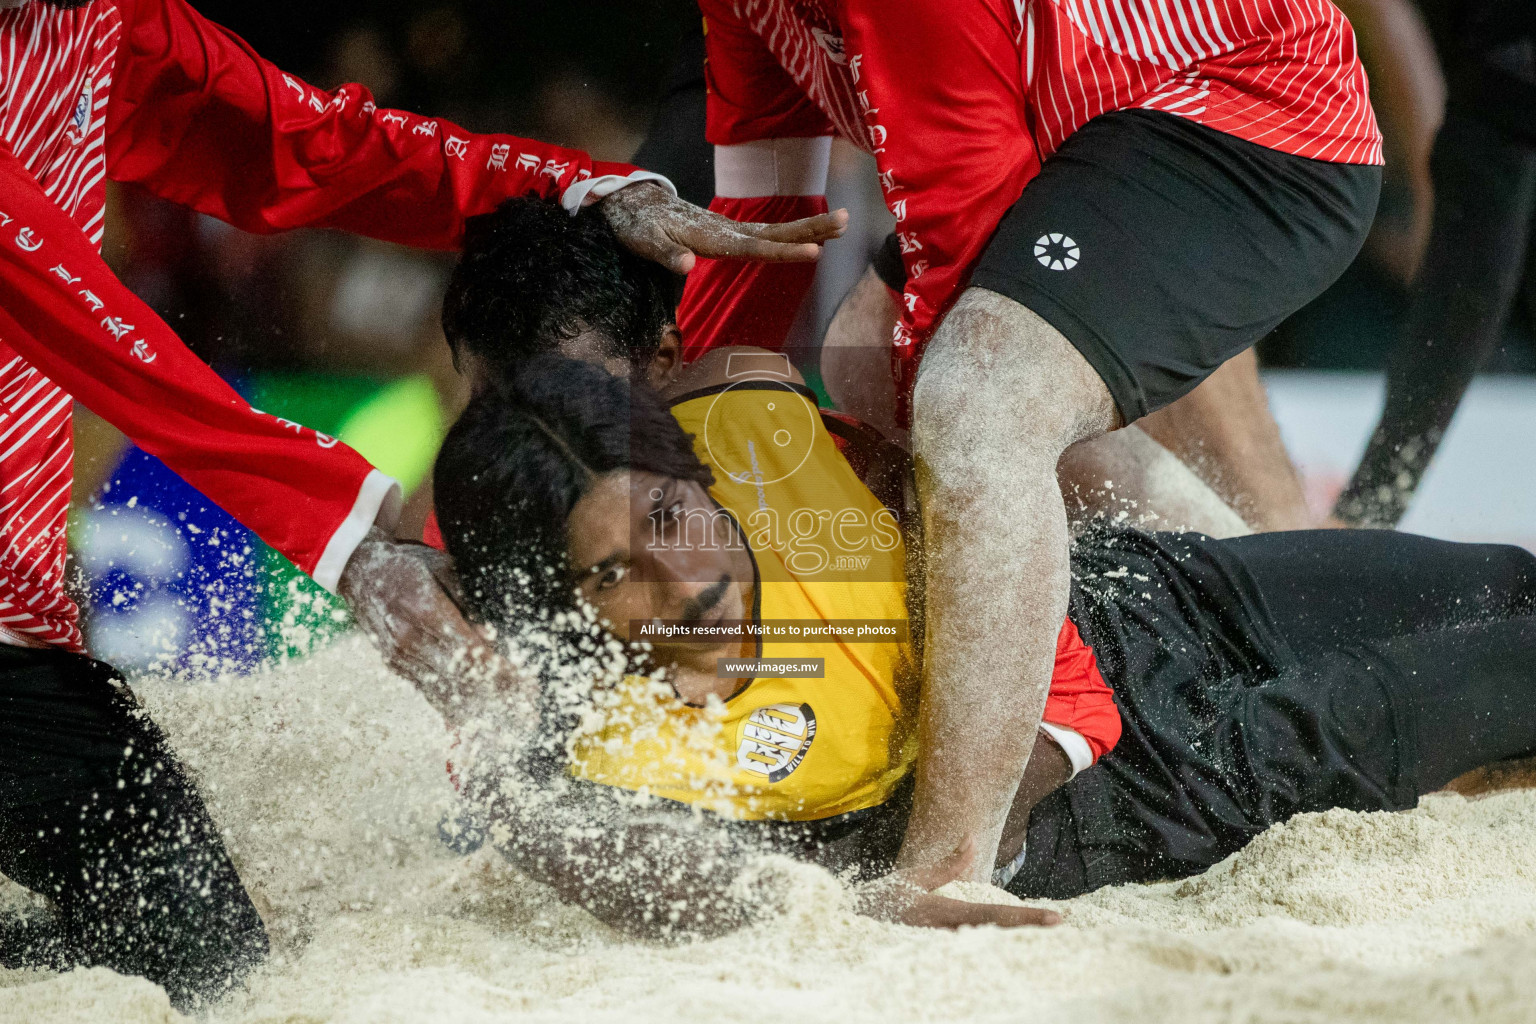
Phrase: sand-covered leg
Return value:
(1224, 431)
(1125, 477)
(1001, 394)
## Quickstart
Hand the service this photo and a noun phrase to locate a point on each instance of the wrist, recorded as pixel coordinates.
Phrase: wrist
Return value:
(377, 507)
(591, 190)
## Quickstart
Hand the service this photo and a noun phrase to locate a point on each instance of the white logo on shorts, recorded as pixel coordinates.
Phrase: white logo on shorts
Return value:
(1057, 251)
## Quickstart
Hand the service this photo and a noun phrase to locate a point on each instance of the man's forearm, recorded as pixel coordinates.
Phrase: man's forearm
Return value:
(1049, 768)
(654, 873)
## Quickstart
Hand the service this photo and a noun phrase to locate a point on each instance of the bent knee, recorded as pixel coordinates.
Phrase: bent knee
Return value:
(997, 371)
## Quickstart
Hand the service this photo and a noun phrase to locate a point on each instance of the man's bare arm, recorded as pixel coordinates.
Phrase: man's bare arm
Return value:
(664, 874)
(654, 873)
(1049, 768)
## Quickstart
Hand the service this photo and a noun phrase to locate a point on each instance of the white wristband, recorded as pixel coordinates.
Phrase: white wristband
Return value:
(590, 190)
(773, 167)
(378, 501)
(1072, 744)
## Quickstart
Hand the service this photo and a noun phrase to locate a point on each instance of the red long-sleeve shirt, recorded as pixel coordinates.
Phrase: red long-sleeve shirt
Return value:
(959, 102)
(150, 92)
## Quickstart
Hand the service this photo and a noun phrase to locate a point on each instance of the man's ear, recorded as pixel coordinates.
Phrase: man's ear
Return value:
(472, 368)
(667, 360)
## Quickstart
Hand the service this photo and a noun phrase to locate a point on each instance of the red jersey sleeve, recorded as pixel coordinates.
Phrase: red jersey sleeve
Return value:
(751, 99)
(942, 90)
(199, 118)
(432, 532)
(63, 311)
(1079, 698)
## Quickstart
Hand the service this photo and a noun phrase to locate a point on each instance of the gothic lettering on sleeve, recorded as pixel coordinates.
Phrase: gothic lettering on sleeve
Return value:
(115, 326)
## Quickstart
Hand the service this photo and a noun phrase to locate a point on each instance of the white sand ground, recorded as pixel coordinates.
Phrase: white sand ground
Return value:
(328, 778)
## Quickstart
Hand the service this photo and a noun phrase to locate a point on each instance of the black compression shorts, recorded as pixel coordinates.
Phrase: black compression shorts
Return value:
(1162, 248)
(1270, 675)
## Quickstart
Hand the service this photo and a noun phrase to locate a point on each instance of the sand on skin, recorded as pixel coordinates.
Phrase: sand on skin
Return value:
(327, 776)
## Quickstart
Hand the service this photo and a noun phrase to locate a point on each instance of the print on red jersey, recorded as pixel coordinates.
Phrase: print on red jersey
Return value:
(783, 67)
(55, 79)
(1281, 73)
(959, 102)
(116, 87)
(36, 462)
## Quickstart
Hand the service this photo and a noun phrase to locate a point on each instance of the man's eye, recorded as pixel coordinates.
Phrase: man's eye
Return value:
(612, 578)
(673, 511)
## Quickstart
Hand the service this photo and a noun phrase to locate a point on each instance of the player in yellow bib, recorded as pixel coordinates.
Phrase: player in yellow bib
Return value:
(723, 507)
(815, 545)
(643, 774)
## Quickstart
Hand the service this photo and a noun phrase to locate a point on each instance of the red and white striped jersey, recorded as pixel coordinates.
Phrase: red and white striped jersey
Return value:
(959, 102)
(148, 91)
(55, 77)
(1281, 73)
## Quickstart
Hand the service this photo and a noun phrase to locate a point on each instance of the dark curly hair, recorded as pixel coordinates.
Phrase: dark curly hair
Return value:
(513, 467)
(533, 276)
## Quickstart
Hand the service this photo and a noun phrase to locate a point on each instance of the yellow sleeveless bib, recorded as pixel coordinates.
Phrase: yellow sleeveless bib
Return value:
(825, 549)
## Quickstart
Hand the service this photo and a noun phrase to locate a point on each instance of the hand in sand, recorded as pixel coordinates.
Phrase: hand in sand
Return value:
(659, 226)
(405, 597)
(907, 897)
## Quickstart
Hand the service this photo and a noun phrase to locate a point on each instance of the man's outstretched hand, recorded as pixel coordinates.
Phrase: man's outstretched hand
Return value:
(659, 226)
(907, 897)
(403, 595)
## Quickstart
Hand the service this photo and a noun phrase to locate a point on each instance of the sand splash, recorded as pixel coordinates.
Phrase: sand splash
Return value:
(327, 777)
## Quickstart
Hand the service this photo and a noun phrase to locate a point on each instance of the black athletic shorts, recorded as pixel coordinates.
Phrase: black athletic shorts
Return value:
(97, 814)
(1258, 678)
(1266, 676)
(1162, 248)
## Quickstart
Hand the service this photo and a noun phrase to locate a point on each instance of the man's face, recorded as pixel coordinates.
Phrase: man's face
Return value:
(644, 547)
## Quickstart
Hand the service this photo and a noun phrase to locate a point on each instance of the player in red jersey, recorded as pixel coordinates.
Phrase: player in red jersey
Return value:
(1097, 205)
(95, 812)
